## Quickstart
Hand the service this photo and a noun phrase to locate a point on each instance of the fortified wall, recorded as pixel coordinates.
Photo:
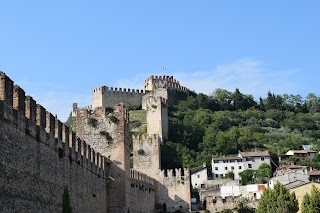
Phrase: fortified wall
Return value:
(172, 187)
(41, 161)
(108, 97)
(107, 131)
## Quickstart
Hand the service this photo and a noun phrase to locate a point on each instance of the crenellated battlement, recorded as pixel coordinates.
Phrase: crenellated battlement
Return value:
(108, 97)
(33, 119)
(139, 177)
(146, 138)
(167, 82)
(111, 90)
(175, 176)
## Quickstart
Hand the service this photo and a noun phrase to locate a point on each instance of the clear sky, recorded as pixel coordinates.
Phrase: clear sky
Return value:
(58, 51)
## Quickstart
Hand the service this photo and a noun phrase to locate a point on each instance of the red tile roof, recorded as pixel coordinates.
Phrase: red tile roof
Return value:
(315, 172)
(254, 154)
(302, 151)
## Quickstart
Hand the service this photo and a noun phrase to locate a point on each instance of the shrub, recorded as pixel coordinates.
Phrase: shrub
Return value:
(93, 122)
(114, 119)
(135, 124)
(141, 152)
(106, 135)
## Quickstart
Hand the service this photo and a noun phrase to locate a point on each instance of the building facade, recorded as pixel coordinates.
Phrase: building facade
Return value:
(245, 160)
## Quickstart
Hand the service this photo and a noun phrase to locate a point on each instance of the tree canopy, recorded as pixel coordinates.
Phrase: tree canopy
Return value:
(277, 200)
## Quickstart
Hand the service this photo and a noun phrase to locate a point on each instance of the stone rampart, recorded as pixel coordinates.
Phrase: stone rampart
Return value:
(174, 190)
(142, 193)
(40, 157)
(108, 97)
(146, 154)
(168, 82)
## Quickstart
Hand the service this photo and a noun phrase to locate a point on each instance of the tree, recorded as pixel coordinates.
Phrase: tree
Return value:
(277, 200)
(246, 176)
(230, 175)
(263, 173)
(66, 207)
(311, 203)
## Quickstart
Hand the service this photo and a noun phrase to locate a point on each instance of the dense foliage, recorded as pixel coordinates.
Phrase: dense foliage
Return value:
(202, 126)
(261, 175)
(277, 200)
(311, 202)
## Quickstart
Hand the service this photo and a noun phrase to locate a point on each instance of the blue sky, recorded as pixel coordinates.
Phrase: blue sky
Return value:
(58, 51)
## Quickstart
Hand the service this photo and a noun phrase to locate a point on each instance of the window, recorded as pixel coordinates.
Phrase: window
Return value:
(216, 168)
(217, 175)
(250, 165)
(262, 158)
(198, 176)
(240, 167)
(232, 167)
(226, 168)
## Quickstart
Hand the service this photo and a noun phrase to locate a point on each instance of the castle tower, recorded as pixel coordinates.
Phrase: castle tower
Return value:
(108, 133)
(108, 97)
(157, 116)
(147, 154)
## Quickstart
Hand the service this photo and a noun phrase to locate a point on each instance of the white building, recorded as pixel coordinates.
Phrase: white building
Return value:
(199, 177)
(302, 154)
(244, 160)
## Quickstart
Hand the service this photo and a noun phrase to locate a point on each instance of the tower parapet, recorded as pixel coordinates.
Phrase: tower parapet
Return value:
(167, 82)
(147, 154)
(109, 96)
(157, 115)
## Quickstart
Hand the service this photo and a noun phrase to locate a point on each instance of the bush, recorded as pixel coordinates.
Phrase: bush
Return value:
(93, 122)
(106, 135)
(114, 119)
(141, 152)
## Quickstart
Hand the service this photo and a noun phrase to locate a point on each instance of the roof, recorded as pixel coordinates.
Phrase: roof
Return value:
(302, 151)
(316, 172)
(227, 158)
(292, 167)
(197, 169)
(296, 184)
(254, 154)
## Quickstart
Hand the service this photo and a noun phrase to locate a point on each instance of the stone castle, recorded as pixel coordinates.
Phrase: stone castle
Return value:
(41, 159)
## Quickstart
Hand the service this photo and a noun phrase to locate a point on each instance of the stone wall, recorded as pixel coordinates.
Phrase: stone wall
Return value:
(173, 189)
(168, 82)
(108, 132)
(108, 97)
(40, 157)
(146, 154)
(157, 116)
(142, 193)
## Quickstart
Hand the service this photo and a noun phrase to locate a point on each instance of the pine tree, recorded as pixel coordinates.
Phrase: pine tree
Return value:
(311, 203)
(66, 207)
(277, 200)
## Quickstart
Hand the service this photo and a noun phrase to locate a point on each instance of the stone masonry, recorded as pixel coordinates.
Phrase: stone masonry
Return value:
(40, 157)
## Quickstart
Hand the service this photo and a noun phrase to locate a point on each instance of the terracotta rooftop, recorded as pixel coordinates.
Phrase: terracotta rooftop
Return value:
(254, 154)
(292, 167)
(302, 151)
(316, 172)
(227, 158)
